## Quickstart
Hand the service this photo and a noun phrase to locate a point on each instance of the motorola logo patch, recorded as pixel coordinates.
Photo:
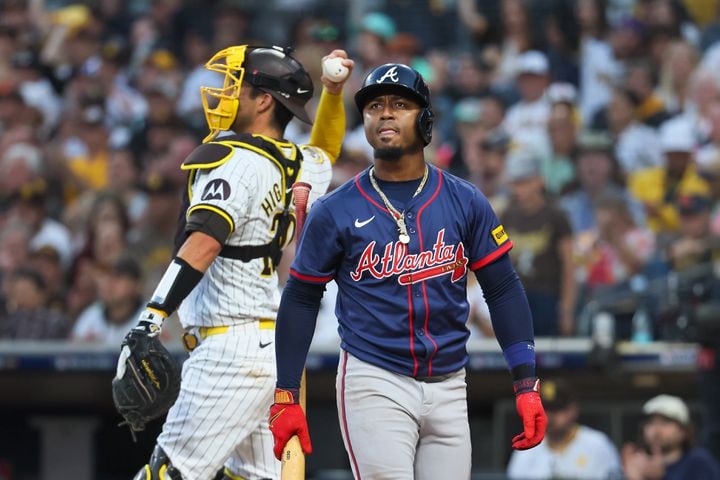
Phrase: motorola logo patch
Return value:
(217, 189)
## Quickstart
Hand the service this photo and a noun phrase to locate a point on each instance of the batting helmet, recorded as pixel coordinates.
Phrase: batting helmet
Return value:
(405, 81)
(270, 69)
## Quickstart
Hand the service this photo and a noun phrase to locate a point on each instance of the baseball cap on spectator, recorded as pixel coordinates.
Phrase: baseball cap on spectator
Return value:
(692, 204)
(33, 191)
(562, 92)
(522, 165)
(532, 62)
(162, 59)
(677, 135)
(30, 155)
(668, 406)
(324, 32)
(26, 59)
(155, 183)
(556, 395)
(93, 115)
(378, 24)
(594, 141)
(46, 251)
(73, 17)
(497, 140)
(126, 266)
(468, 110)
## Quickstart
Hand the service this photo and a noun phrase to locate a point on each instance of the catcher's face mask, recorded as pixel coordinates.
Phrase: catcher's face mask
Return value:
(228, 62)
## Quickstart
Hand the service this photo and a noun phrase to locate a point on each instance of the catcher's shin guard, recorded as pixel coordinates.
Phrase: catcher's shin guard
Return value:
(159, 468)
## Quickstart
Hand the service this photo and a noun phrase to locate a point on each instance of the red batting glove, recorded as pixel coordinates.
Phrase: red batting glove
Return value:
(287, 419)
(529, 407)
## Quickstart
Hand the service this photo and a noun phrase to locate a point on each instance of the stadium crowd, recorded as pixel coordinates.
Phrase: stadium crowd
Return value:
(593, 126)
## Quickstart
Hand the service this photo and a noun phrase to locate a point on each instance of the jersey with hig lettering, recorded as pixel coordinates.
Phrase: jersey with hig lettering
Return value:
(247, 190)
(400, 307)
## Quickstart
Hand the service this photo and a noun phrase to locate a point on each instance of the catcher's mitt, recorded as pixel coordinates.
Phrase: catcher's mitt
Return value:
(147, 381)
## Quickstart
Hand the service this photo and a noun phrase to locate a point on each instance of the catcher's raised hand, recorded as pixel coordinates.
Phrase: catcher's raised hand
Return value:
(335, 87)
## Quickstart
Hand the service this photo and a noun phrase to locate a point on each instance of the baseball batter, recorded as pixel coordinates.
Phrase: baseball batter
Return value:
(399, 239)
(238, 218)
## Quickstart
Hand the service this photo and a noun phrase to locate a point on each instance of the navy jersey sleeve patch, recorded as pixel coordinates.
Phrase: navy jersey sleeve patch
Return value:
(499, 235)
(488, 238)
(319, 251)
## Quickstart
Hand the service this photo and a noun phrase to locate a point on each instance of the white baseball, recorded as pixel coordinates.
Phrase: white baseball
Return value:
(334, 69)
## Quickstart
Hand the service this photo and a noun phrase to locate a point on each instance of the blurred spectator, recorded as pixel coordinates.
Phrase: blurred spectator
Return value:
(489, 174)
(666, 448)
(617, 249)
(20, 164)
(119, 303)
(125, 107)
(526, 121)
(28, 206)
(558, 166)
(694, 244)
(87, 167)
(14, 251)
(642, 80)
(12, 107)
(679, 61)
(230, 25)
(46, 261)
(597, 176)
(482, 19)
(562, 43)
(518, 37)
(468, 115)
(542, 247)
(36, 89)
(658, 188)
(374, 32)
(26, 316)
(198, 50)
(599, 69)
(636, 144)
(569, 450)
(627, 39)
(102, 227)
(124, 173)
(152, 239)
(470, 76)
(703, 93)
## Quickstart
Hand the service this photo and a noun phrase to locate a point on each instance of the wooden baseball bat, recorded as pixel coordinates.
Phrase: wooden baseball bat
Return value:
(293, 459)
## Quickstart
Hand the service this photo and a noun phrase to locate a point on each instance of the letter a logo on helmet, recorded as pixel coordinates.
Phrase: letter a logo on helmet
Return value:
(391, 74)
(399, 79)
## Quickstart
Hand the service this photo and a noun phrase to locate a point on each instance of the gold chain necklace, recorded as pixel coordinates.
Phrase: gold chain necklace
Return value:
(398, 216)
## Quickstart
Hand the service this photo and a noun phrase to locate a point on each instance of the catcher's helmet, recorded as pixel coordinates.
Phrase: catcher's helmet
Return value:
(405, 81)
(270, 69)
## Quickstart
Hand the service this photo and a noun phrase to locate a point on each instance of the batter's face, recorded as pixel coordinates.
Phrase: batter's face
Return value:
(390, 123)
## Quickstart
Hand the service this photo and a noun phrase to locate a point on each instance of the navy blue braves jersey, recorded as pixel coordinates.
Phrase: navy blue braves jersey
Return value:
(401, 307)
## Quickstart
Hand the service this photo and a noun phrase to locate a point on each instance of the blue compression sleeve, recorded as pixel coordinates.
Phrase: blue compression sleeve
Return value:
(294, 329)
(510, 314)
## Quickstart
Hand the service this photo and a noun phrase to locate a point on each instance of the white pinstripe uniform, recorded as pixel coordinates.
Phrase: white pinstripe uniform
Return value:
(220, 416)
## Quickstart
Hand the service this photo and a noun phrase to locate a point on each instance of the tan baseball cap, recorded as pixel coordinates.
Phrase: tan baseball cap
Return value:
(668, 406)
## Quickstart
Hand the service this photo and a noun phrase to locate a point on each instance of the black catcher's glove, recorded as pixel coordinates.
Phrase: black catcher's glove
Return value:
(147, 381)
